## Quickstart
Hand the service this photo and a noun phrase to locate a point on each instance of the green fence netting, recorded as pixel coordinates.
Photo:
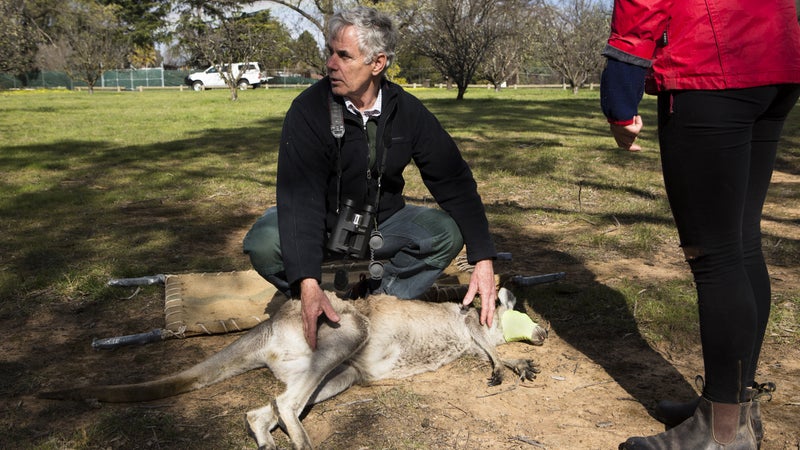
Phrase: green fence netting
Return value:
(128, 79)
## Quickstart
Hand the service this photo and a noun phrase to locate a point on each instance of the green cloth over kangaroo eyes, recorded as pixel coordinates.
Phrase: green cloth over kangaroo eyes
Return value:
(517, 326)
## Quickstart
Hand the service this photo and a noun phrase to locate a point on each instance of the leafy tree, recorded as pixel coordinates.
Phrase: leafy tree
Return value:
(26, 25)
(90, 40)
(570, 38)
(144, 56)
(404, 12)
(417, 68)
(146, 23)
(306, 53)
(207, 8)
(456, 35)
(17, 38)
(41, 16)
(274, 46)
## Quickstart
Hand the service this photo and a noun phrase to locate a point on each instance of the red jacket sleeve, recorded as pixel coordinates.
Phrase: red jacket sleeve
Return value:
(638, 25)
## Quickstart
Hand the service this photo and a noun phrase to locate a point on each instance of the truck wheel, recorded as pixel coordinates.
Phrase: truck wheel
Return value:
(243, 85)
(197, 86)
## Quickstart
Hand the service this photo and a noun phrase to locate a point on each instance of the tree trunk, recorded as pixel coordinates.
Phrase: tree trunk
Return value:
(461, 91)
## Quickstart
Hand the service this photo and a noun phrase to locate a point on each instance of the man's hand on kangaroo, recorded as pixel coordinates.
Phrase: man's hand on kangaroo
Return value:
(482, 283)
(315, 304)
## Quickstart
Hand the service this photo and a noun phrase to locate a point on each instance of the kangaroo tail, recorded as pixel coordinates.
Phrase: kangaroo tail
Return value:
(239, 357)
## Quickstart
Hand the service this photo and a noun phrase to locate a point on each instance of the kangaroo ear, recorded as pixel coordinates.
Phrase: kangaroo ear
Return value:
(507, 298)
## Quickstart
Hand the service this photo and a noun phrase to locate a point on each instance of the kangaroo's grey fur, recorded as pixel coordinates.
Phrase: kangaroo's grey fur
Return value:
(377, 338)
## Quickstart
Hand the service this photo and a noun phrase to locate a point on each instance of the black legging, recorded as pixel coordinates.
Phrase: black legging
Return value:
(718, 150)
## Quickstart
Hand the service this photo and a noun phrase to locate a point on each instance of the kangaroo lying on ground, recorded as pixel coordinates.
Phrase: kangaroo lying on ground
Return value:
(377, 338)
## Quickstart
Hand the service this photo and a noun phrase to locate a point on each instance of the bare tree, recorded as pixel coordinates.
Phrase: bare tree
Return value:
(456, 35)
(224, 40)
(570, 38)
(316, 12)
(90, 41)
(231, 42)
(502, 62)
(197, 20)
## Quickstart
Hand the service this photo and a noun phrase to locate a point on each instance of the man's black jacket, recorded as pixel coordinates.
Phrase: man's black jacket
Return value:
(307, 190)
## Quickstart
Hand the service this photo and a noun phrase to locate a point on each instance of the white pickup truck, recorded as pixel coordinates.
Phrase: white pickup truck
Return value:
(247, 74)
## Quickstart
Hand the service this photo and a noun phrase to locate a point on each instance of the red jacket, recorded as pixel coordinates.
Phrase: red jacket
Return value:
(709, 44)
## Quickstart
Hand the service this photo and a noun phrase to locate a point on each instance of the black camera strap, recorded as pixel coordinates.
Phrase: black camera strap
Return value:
(384, 150)
(337, 130)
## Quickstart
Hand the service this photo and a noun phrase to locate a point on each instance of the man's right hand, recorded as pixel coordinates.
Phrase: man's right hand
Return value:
(314, 304)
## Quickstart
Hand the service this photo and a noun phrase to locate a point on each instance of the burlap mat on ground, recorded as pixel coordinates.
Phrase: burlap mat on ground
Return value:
(214, 303)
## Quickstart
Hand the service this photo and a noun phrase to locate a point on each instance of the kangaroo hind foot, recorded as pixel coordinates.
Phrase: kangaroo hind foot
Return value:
(320, 375)
(526, 369)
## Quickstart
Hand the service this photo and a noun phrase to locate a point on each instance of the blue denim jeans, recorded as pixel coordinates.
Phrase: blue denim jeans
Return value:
(418, 243)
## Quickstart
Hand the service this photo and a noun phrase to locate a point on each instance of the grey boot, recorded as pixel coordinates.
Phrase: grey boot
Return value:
(714, 426)
(672, 413)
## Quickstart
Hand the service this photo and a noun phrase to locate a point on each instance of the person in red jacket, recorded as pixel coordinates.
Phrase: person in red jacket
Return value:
(727, 74)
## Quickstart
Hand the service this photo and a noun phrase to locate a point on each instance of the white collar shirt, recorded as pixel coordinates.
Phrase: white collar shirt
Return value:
(375, 111)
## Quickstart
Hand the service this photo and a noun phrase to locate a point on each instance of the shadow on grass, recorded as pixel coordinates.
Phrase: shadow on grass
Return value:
(563, 117)
(132, 210)
(592, 317)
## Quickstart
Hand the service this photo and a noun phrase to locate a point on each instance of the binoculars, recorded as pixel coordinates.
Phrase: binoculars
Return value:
(354, 234)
